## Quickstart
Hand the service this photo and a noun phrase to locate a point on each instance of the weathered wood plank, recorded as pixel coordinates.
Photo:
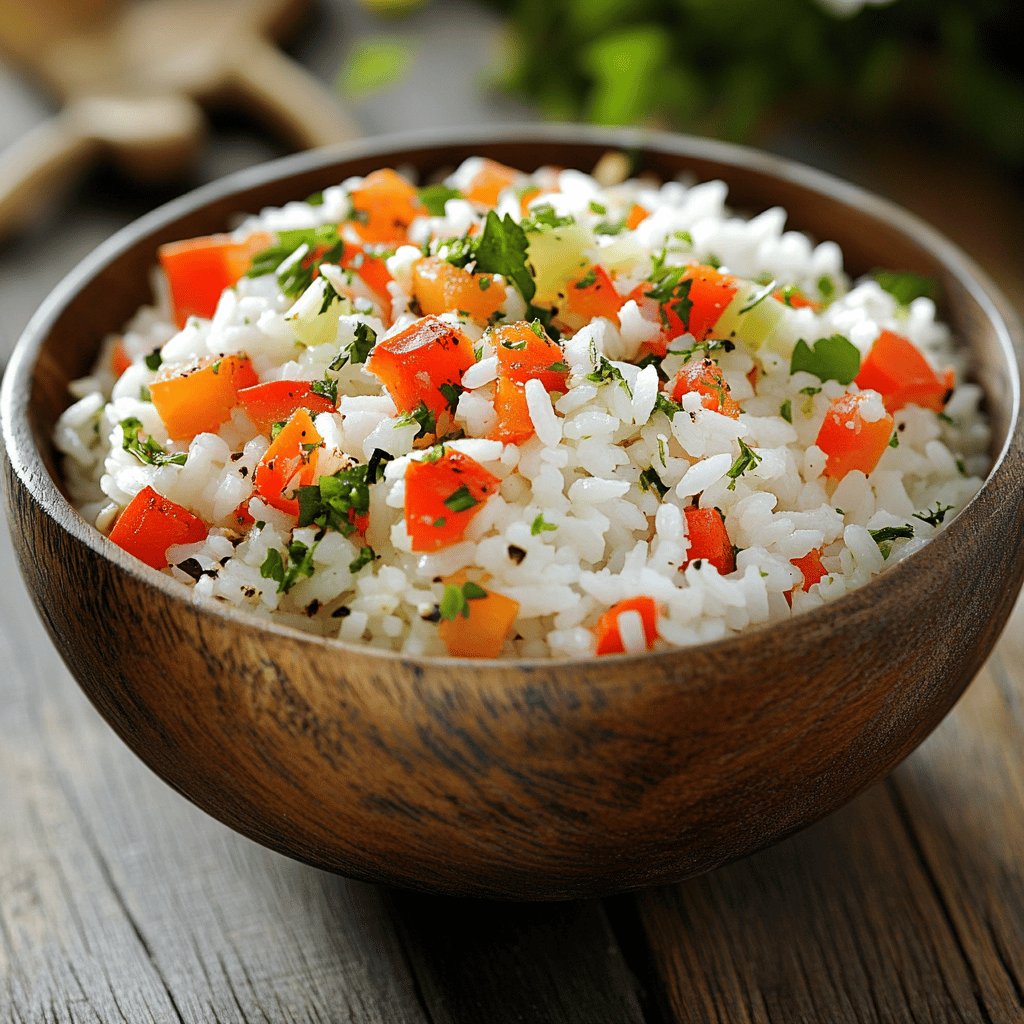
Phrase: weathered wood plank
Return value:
(517, 963)
(903, 906)
(119, 901)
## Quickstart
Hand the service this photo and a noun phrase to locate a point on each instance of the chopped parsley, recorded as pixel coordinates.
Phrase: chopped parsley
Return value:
(501, 249)
(650, 481)
(460, 500)
(147, 451)
(540, 525)
(422, 416)
(665, 404)
(826, 287)
(894, 441)
(433, 197)
(672, 293)
(747, 459)
(326, 388)
(451, 394)
(334, 502)
(589, 278)
(154, 360)
(359, 348)
(884, 536)
(833, 358)
(544, 218)
(905, 287)
(758, 297)
(365, 557)
(294, 275)
(607, 372)
(287, 569)
(455, 600)
(935, 516)
(786, 411)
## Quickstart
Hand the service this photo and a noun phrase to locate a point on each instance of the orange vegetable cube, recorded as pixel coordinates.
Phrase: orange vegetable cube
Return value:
(811, 567)
(636, 216)
(440, 287)
(594, 295)
(710, 292)
(119, 358)
(415, 364)
(198, 399)
(289, 463)
(524, 354)
(276, 400)
(705, 377)
(199, 269)
(373, 270)
(151, 524)
(490, 181)
(609, 639)
(483, 633)
(898, 371)
(384, 206)
(442, 497)
(709, 540)
(850, 441)
(515, 425)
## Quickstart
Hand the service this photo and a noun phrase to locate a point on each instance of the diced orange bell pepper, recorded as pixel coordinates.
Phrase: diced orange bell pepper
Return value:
(515, 425)
(524, 355)
(199, 269)
(593, 295)
(276, 400)
(198, 399)
(119, 358)
(414, 364)
(609, 639)
(705, 377)
(440, 287)
(151, 524)
(289, 463)
(794, 298)
(483, 633)
(709, 540)
(373, 270)
(850, 441)
(442, 497)
(897, 370)
(241, 516)
(636, 216)
(384, 206)
(490, 181)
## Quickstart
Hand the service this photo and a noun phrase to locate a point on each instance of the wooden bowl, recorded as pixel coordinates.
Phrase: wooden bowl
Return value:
(529, 779)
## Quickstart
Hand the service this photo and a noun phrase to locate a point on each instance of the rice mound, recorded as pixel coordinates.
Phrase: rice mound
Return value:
(576, 524)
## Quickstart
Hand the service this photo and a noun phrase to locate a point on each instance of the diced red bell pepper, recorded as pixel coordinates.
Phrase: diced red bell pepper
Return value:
(710, 293)
(373, 270)
(811, 568)
(593, 295)
(384, 206)
(416, 363)
(609, 639)
(515, 425)
(442, 496)
(241, 516)
(276, 400)
(151, 524)
(850, 441)
(198, 399)
(119, 358)
(524, 354)
(705, 377)
(897, 370)
(199, 269)
(441, 287)
(289, 463)
(709, 540)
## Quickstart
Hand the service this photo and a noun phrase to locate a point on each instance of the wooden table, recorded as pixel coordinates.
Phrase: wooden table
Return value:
(119, 901)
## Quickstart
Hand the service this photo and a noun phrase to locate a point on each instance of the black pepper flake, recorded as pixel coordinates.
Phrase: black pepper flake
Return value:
(235, 456)
(313, 607)
(192, 567)
(243, 472)
(516, 553)
(341, 613)
(434, 615)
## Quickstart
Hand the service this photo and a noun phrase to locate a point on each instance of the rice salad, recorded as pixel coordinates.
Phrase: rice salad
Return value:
(507, 414)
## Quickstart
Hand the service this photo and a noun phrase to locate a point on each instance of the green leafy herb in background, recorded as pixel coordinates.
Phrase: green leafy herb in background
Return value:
(374, 64)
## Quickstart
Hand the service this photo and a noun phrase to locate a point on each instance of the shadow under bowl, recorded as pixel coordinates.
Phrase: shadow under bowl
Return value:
(520, 779)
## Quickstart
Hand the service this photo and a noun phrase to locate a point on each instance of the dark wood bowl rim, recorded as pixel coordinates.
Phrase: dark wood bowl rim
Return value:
(26, 460)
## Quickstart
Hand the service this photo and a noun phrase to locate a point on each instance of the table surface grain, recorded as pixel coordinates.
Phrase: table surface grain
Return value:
(119, 901)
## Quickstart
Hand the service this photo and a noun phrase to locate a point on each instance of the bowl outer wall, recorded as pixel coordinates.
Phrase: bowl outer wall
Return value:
(522, 779)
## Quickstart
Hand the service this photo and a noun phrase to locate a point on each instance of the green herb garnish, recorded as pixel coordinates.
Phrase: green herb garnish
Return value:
(433, 197)
(287, 569)
(905, 287)
(540, 525)
(455, 600)
(934, 516)
(147, 451)
(833, 358)
(460, 500)
(747, 459)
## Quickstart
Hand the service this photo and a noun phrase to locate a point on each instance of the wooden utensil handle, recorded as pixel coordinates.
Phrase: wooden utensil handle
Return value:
(38, 165)
(298, 106)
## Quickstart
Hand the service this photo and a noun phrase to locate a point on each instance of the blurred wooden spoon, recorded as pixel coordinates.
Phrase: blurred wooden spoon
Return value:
(133, 78)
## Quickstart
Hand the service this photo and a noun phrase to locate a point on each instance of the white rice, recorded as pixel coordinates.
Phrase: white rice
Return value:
(608, 538)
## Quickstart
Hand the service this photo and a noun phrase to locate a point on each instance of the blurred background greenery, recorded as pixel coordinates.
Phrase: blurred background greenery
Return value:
(744, 70)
